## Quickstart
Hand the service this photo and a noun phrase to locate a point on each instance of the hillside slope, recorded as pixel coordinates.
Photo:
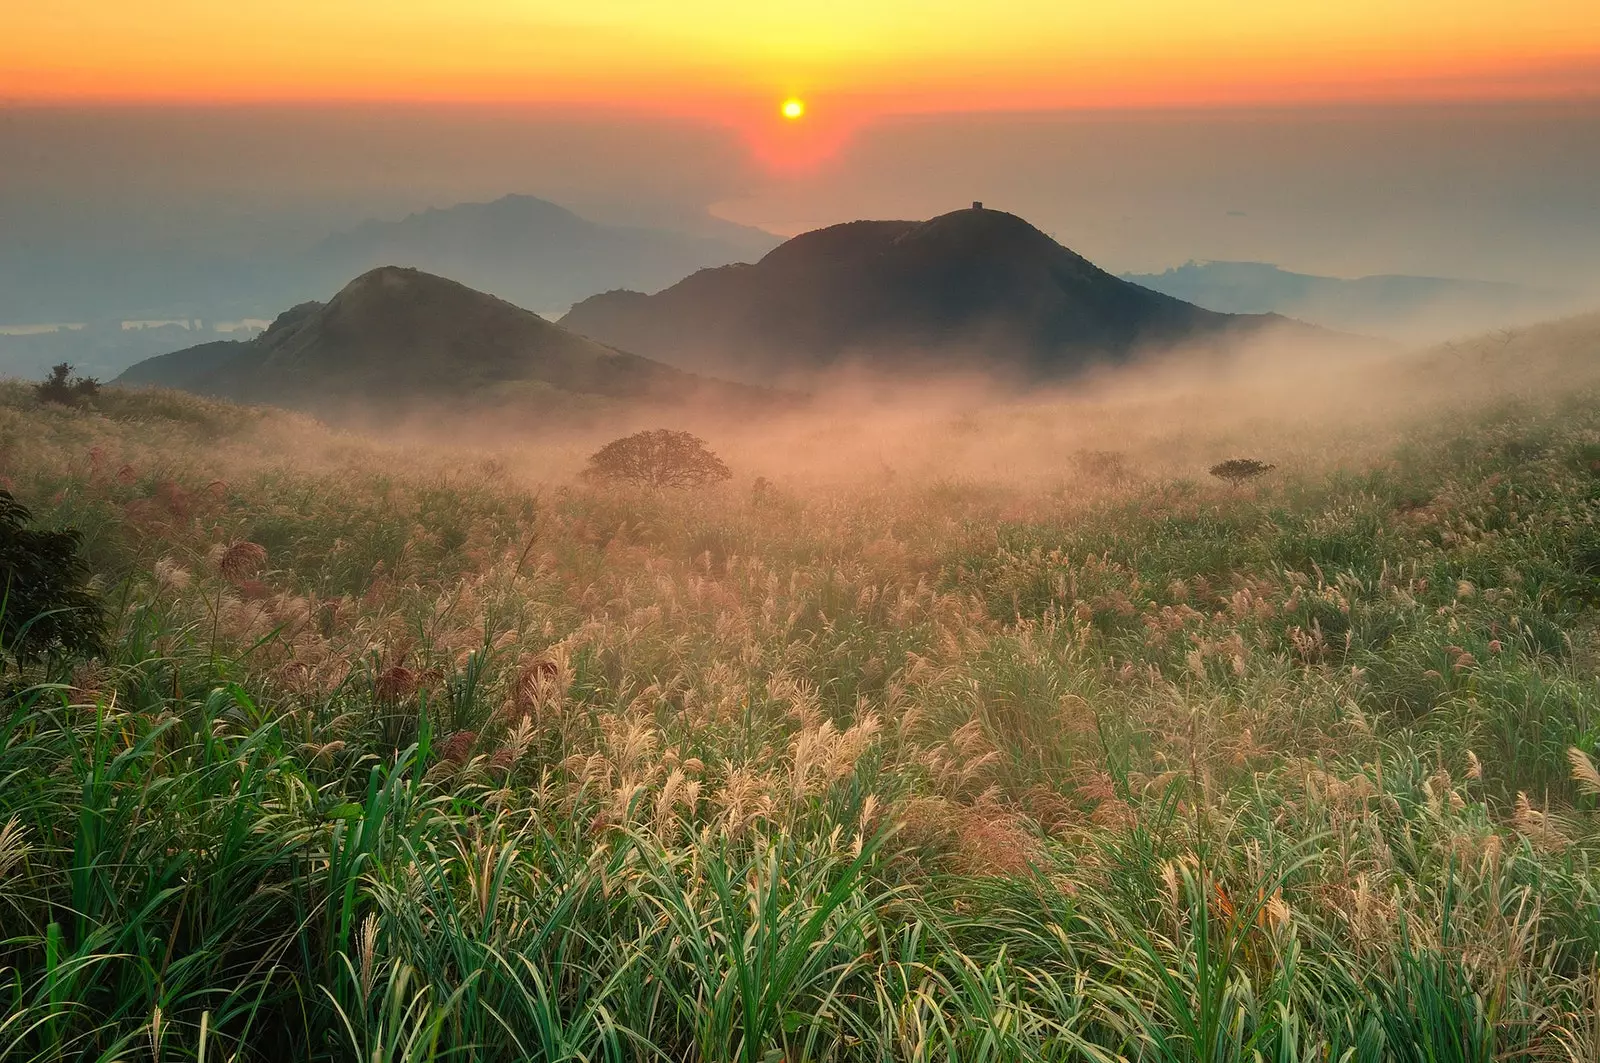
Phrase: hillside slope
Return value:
(974, 289)
(966, 736)
(398, 337)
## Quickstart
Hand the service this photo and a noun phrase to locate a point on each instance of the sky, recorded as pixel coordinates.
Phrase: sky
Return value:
(711, 58)
(1348, 136)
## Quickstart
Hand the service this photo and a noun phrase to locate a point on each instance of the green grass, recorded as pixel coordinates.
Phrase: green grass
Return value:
(1133, 769)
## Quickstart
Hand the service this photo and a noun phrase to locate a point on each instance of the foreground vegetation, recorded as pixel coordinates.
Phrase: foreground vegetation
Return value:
(392, 758)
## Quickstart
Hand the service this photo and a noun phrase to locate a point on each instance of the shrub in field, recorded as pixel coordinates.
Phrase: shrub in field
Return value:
(46, 605)
(657, 458)
(65, 387)
(1237, 470)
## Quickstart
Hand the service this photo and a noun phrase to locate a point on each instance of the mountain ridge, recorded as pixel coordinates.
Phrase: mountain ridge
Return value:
(396, 337)
(973, 288)
(531, 251)
(526, 249)
(1399, 305)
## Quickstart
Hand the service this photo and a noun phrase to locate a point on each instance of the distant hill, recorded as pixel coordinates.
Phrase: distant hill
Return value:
(974, 289)
(526, 250)
(395, 337)
(532, 252)
(1395, 305)
(99, 349)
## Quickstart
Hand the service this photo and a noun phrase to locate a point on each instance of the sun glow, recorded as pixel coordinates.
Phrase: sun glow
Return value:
(732, 62)
(894, 55)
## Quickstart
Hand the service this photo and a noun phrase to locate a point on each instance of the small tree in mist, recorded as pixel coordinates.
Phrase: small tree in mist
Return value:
(657, 458)
(65, 387)
(1239, 470)
(46, 605)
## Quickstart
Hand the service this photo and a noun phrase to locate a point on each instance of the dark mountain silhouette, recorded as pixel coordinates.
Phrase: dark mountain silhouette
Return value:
(396, 337)
(532, 252)
(975, 289)
(1395, 305)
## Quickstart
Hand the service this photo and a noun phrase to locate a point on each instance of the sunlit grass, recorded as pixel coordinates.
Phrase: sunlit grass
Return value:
(1120, 766)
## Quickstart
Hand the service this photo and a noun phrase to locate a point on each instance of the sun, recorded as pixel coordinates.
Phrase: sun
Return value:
(792, 109)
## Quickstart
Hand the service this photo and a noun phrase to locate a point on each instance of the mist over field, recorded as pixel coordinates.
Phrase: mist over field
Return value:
(934, 682)
(1170, 416)
(746, 534)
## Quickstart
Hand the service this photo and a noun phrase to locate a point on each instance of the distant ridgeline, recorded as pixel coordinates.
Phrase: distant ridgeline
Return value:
(1391, 304)
(532, 252)
(527, 250)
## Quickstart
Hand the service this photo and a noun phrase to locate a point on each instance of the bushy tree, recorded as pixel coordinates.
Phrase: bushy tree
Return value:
(1237, 470)
(65, 387)
(657, 458)
(47, 605)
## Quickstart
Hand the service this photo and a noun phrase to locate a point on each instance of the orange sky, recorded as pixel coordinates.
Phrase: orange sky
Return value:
(734, 60)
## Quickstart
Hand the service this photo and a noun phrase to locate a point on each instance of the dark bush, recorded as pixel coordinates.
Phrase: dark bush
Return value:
(45, 605)
(658, 458)
(1237, 470)
(66, 388)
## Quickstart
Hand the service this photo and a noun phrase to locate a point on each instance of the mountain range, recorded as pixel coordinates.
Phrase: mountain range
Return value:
(974, 289)
(531, 252)
(970, 292)
(1394, 305)
(526, 250)
(397, 338)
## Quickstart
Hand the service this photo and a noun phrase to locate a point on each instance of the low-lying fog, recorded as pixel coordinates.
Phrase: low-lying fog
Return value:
(1168, 417)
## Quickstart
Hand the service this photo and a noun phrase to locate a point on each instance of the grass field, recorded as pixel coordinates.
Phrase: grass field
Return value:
(405, 753)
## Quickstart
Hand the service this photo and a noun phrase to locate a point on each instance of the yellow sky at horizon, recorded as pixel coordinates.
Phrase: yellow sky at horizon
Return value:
(714, 57)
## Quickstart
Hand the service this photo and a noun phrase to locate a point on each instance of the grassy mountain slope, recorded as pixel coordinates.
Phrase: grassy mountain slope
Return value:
(975, 289)
(396, 337)
(409, 754)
